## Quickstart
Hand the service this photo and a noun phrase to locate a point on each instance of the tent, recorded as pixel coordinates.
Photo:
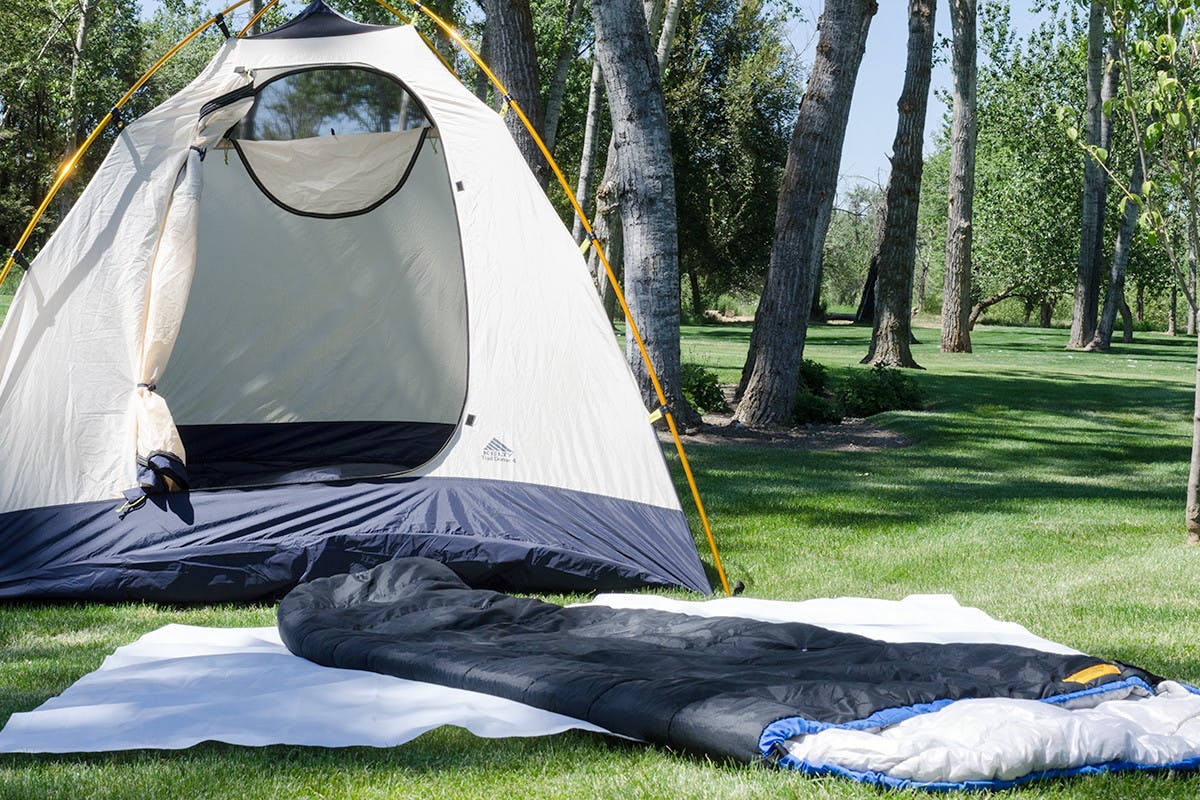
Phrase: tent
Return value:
(312, 313)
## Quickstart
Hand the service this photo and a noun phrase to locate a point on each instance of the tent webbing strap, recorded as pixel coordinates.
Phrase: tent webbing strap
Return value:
(612, 278)
(68, 166)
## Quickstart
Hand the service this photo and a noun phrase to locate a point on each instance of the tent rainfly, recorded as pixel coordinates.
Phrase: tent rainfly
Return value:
(313, 313)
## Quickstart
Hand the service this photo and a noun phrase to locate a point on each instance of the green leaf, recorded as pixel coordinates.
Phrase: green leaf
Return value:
(1073, 133)
(1101, 154)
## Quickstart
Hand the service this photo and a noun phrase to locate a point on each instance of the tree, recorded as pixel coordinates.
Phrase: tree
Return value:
(646, 187)
(772, 369)
(1162, 37)
(731, 100)
(513, 55)
(44, 111)
(1115, 299)
(956, 293)
(1027, 180)
(565, 54)
(896, 251)
(1091, 233)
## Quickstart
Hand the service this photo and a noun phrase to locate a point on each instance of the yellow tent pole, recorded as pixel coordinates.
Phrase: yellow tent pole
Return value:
(68, 166)
(612, 278)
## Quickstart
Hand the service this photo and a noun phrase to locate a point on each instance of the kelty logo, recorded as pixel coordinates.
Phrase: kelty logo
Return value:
(496, 450)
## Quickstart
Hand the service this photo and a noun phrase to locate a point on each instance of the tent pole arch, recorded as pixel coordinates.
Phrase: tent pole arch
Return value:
(595, 242)
(68, 166)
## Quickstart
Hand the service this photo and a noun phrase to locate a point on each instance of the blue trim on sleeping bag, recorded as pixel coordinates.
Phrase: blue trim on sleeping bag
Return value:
(244, 544)
(772, 745)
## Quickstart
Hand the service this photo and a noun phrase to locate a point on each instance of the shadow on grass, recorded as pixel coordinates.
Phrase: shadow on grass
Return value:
(1035, 440)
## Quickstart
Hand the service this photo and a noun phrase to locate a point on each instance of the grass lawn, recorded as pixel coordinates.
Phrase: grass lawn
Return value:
(1043, 486)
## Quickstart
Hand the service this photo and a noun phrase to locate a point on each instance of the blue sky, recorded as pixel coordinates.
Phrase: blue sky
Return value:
(873, 111)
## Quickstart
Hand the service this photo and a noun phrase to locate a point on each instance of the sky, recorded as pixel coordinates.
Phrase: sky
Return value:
(873, 111)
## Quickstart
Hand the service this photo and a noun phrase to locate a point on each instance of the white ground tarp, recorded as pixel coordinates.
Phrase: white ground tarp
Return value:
(181, 685)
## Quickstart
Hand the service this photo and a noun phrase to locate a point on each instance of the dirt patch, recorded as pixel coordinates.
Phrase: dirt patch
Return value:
(852, 435)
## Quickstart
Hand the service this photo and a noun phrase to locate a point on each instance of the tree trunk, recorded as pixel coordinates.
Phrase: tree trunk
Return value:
(1141, 302)
(1115, 300)
(865, 314)
(74, 135)
(646, 188)
(514, 60)
(608, 230)
(1126, 323)
(983, 305)
(1193, 484)
(587, 160)
(1091, 229)
(896, 250)
(964, 129)
(607, 223)
(483, 86)
(1172, 312)
(1046, 314)
(558, 83)
(666, 37)
(697, 297)
(809, 183)
(923, 280)
(1193, 248)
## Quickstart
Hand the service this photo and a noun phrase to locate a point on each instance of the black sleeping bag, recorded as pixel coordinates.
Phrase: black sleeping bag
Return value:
(708, 685)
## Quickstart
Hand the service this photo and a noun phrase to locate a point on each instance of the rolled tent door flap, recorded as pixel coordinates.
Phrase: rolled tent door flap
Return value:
(160, 453)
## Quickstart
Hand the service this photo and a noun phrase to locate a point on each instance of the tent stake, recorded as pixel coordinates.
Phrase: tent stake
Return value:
(612, 278)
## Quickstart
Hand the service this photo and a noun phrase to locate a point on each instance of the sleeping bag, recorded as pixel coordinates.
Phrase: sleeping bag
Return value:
(725, 687)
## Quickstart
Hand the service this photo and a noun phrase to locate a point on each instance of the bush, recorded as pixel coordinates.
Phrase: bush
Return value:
(701, 389)
(813, 377)
(868, 392)
(815, 409)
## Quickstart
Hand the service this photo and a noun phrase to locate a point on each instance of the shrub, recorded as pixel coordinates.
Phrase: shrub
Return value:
(813, 377)
(701, 389)
(868, 392)
(815, 409)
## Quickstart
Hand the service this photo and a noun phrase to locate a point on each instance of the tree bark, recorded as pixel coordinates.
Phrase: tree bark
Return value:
(607, 223)
(1114, 302)
(809, 184)
(1091, 229)
(558, 83)
(1126, 323)
(646, 188)
(1172, 312)
(964, 130)
(587, 160)
(514, 60)
(1141, 302)
(896, 249)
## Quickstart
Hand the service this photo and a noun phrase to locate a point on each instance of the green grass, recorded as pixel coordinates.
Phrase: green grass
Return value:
(1043, 486)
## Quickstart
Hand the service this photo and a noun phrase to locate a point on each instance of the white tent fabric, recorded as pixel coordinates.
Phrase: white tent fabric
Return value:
(545, 377)
(373, 338)
(171, 272)
(181, 685)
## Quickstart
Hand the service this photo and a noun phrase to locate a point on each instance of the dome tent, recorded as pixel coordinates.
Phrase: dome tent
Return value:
(311, 313)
